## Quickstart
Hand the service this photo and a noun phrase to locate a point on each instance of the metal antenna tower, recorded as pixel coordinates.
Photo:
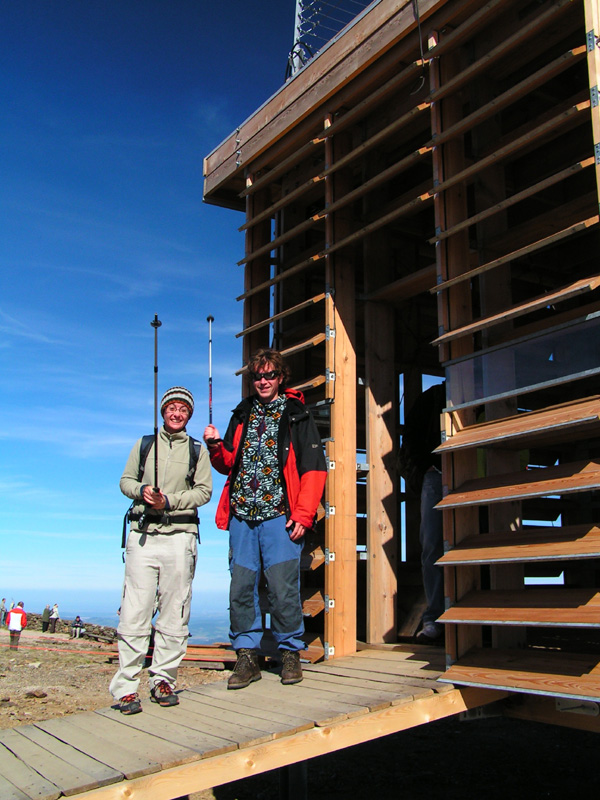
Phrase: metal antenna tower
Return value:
(316, 23)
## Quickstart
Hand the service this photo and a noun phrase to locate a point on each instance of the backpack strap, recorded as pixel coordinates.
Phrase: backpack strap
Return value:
(145, 445)
(194, 456)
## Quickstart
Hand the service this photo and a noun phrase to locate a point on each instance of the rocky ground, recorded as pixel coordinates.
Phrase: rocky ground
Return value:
(51, 675)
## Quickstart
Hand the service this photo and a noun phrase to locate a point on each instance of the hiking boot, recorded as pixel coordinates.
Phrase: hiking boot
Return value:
(291, 671)
(163, 694)
(130, 704)
(246, 670)
(430, 633)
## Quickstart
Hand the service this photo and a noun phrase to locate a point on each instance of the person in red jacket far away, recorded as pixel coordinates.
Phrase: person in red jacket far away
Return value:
(275, 466)
(16, 620)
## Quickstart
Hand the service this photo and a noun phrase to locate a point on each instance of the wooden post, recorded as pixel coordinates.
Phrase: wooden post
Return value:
(592, 30)
(382, 499)
(340, 526)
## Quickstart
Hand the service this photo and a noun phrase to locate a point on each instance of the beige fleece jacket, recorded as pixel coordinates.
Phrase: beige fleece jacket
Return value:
(173, 466)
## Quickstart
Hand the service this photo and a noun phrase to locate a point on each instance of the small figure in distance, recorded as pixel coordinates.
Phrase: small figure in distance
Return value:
(77, 628)
(16, 620)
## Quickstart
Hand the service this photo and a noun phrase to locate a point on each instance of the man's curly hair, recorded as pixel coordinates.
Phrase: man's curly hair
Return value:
(264, 356)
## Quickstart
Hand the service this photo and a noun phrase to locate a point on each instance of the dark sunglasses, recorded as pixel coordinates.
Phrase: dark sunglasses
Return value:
(268, 376)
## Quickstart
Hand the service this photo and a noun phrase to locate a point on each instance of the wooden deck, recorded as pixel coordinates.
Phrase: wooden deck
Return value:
(217, 736)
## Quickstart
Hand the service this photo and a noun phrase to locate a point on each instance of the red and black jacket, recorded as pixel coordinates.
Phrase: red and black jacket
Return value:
(300, 453)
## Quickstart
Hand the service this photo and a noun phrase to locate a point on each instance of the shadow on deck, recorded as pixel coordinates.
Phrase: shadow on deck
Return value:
(217, 736)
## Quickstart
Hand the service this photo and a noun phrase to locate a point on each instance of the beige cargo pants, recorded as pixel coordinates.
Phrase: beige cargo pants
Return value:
(159, 569)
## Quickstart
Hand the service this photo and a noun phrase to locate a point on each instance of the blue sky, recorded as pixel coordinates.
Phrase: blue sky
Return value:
(109, 107)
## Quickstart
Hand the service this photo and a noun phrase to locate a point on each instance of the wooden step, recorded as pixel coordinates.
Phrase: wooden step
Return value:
(542, 672)
(575, 420)
(558, 606)
(579, 476)
(537, 544)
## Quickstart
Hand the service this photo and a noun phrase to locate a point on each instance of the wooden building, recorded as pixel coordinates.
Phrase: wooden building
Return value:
(422, 199)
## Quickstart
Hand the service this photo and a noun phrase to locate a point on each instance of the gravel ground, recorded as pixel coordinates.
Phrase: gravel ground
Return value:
(489, 759)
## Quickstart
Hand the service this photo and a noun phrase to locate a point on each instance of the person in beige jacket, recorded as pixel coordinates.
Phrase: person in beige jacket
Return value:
(160, 557)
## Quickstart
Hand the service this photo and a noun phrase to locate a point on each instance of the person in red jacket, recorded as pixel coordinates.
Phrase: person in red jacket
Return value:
(16, 620)
(273, 457)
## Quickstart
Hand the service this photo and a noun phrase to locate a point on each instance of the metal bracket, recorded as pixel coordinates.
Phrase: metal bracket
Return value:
(597, 153)
(362, 466)
(330, 464)
(482, 712)
(329, 375)
(591, 40)
(329, 650)
(329, 510)
(594, 96)
(329, 333)
(329, 555)
(587, 707)
(329, 603)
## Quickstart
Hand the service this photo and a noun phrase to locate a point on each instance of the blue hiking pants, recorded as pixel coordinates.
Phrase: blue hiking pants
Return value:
(266, 545)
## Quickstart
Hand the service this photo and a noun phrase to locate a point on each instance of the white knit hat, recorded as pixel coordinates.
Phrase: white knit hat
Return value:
(177, 394)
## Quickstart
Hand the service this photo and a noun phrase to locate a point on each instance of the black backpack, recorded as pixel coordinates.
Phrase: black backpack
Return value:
(145, 446)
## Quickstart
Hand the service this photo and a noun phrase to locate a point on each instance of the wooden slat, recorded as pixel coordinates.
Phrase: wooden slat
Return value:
(111, 752)
(8, 791)
(283, 166)
(282, 239)
(514, 199)
(406, 287)
(524, 142)
(224, 705)
(268, 693)
(515, 311)
(49, 764)
(579, 608)
(554, 674)
(579, 476)
(238, 729)
(79, 765)
(539, 544)
(571, 230)
(299, 307)
(284, 201)
(313, 555)
(507, 44)
(202, 743)
(107, 722)
(522, 428)
(26, 781)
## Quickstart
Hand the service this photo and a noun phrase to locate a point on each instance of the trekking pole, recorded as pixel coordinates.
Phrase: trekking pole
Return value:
(210, 319)
(156, 323)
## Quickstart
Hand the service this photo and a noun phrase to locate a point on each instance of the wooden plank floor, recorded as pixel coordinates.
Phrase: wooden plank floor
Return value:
(215, 736)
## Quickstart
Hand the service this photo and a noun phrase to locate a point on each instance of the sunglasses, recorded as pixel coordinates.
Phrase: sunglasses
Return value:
(268, 376)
